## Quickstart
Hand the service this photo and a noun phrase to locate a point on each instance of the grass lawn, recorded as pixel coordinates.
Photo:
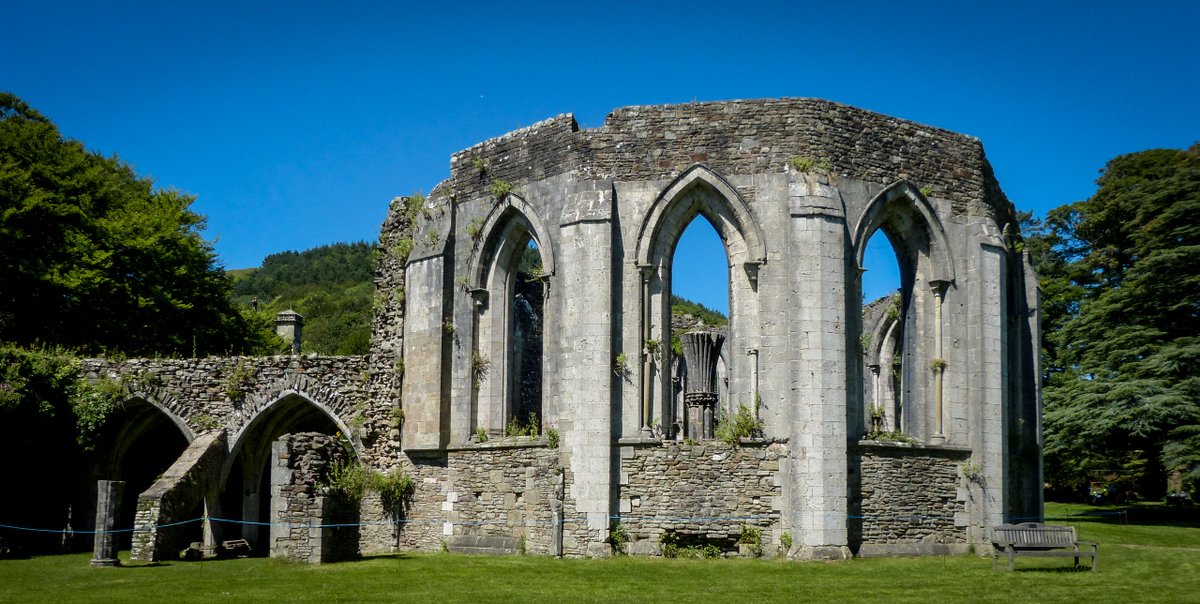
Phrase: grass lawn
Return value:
(1153, 558)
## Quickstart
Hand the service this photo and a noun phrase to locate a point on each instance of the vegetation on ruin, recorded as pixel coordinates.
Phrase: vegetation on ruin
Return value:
(351, 480)
(1120, 280)
(1150, 559)
(95, 258)
(529, 426)
(741, 425)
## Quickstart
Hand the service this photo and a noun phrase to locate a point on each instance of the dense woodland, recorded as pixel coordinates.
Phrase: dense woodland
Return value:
(331, 286)
(97, 260)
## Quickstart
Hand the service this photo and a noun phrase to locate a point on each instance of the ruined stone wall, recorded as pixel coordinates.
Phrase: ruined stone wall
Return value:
(176, 498)
(656, 142)
(228, 392)
(503, 488)
(301, 513)
(910, 500)
(703, 492)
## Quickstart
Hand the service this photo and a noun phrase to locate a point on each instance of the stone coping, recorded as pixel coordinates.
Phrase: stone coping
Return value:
(899, 447)
(638, 441)
(502, 442)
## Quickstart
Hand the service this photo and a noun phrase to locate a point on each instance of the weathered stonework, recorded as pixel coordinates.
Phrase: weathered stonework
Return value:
(795, 188)
(308, 525)
(911, 501)
(704, 493)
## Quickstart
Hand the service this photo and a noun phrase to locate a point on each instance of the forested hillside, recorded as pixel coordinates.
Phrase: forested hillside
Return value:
(330, 285)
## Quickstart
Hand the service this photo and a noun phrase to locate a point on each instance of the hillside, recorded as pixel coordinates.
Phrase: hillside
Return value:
(330, 285)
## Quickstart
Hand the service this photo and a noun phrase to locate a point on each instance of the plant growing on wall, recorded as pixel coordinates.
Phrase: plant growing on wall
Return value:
(875, 414)
(552, 438)
(801, 163)
(937, 365)
(448, 326)
(480, 165)
(529, 427)
(972, 470)
(500, 189)
(480, 434)
(475, 228)
(653, 348)
(480, 365)
(742, 425)
(205, 421)
(621, 365)
(237, 384)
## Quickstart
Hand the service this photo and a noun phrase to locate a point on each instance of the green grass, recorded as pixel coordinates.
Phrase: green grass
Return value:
(1139, 562)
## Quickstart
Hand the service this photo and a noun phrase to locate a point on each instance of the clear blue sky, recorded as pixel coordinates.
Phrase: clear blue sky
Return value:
(295, 122)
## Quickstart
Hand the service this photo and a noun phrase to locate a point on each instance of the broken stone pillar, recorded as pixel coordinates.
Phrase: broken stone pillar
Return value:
(108, 509)
(289, 325)
(701, 349)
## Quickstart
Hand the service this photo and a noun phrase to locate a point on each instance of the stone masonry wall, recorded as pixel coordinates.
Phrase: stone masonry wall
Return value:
(703, 492)
(657, 142)
(911, 502)
(175, 498)
(502, 491)
(228, 392)
(300, 463)
(499, 488)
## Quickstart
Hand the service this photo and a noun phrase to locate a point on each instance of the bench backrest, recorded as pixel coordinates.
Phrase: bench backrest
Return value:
(1032, 534)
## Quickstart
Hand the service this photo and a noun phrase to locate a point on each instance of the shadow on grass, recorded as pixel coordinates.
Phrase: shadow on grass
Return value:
(1141, 514)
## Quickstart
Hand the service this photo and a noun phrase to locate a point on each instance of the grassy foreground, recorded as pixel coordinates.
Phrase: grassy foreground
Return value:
(1153, 558)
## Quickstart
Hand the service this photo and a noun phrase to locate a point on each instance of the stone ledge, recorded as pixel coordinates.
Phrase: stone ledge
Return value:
(915, 448)
(526, 442)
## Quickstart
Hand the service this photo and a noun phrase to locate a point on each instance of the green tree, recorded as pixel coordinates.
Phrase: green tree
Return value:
(1120, 274)
(95, 258)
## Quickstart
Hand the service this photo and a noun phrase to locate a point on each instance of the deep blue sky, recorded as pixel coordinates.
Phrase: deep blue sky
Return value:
(295, 122)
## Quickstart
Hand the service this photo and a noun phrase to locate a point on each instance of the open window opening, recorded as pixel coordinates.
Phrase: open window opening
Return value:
(699, 327)
(882, 339)
(507, 354)
(527, 311)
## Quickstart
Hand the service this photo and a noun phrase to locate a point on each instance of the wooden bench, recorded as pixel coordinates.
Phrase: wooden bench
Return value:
(1040, 540)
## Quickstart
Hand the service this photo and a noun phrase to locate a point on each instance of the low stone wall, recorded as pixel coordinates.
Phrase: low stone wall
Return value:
(703, 492)
(505, 490)
(300, 464)
(910, 502)
(513, 490)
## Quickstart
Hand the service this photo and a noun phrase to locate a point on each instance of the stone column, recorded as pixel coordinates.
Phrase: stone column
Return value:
(646, 273)
(820, 309)
(939, 367)
(108, 509)
(700, 351)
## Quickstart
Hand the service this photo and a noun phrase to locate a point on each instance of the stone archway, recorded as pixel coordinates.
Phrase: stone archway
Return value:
(245, 498)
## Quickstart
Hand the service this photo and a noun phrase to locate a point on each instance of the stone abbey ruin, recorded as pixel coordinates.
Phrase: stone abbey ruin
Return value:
(522, 370)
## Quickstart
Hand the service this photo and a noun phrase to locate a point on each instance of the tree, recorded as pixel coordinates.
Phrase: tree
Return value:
(1120, 274)
(95, 258)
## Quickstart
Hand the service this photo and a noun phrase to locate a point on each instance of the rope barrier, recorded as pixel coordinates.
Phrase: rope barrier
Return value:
(438, 522)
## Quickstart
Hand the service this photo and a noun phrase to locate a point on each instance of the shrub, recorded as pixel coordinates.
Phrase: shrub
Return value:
(742, 425)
